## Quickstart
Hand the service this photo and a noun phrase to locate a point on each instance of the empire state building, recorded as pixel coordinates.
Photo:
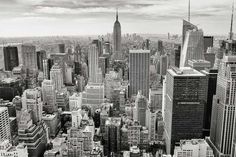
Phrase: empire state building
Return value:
(117, 39)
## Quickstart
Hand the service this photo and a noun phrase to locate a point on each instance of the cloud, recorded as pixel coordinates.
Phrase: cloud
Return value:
(144, 13)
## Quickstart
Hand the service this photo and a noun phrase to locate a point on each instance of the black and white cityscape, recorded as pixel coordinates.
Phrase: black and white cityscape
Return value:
(117, 78)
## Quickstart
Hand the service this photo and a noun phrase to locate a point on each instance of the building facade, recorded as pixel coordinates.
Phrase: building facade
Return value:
(5, 133)
(49, 96)
(56, 76)
(185, 99)
(223, 109)
(193, 47)
(139, 63)
(11, 59)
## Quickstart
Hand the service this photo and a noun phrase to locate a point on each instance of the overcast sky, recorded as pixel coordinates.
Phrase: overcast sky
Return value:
(91, 17)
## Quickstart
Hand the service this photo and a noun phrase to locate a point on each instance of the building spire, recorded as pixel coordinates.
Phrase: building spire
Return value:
(117, 16)
(232, 22)
(188, 10)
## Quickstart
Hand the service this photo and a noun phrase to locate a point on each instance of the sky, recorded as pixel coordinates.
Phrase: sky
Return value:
(96, 17)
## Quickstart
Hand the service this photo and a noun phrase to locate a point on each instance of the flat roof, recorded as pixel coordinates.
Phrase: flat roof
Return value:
(139, 51)
(198, 61)
(10, 44)
(184, 71)
(2, 109)
(48, 116)
(229, 59)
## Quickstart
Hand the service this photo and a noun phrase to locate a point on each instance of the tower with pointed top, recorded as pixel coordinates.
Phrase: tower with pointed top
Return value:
(117, 38)
(232, 22)
(188, 10)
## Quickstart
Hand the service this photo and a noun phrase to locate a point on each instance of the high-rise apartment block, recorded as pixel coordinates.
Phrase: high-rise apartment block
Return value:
(31, 100)
(141, 104)
(49, 96)
(56, 75)
(61, 59)
(29, 57)
(5, 133)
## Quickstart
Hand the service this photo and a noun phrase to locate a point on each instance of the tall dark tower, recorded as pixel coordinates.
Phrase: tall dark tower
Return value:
(232, 22)
(11, 59)
(117, 38)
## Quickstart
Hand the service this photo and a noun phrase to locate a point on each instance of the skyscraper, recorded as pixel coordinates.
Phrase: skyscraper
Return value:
(61, 48)
(29, 57)
(163, 64)
(56, 76)
(93, 63)
(185, 99)
(112, 141)
(61, 59)
(141, 104)
(117, 38)
(46, 69)
(31, 100)
(10, 57)
(186, 27)
(177, 54)
(193, 47)
(223, 109)
(32, 134)
(208, 42)
(5, 132)
(49, 96)
(41, 55)
(10, 87)
(231, 34)
(139, 63)
(98, 43)
(211, 75)
(160, 47)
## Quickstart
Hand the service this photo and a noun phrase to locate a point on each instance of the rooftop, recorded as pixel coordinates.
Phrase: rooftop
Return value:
(229, 59)
(2, 109)
(8, 80)
(48, 116)
(10, 44)
(139, 51)
(192, 142)
(198, 61)
(184, 72)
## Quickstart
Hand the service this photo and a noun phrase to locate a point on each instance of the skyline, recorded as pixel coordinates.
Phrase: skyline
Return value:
(94, 17)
